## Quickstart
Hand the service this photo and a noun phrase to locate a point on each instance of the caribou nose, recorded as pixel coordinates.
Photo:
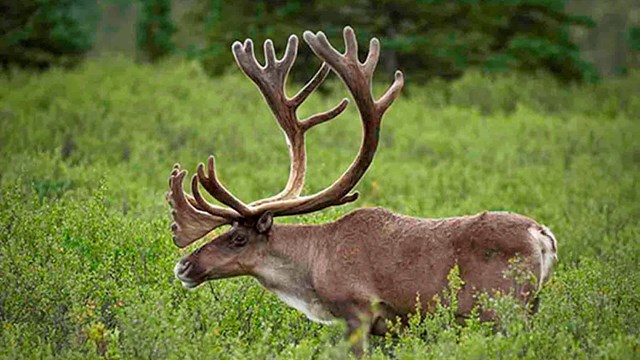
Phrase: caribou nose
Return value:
(184, 272)
(182, 267)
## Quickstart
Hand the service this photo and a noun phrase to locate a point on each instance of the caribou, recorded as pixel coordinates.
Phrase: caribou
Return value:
(370, 256)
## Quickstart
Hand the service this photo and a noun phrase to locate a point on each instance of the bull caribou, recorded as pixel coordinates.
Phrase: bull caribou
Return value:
(337, 270)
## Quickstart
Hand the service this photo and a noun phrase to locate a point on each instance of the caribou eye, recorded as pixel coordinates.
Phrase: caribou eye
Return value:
(239, 240)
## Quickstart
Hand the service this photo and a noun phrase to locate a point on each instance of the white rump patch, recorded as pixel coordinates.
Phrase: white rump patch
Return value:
(548, 251)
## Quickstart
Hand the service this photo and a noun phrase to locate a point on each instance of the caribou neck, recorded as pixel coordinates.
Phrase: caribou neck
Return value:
(287, 267)
(290, 252)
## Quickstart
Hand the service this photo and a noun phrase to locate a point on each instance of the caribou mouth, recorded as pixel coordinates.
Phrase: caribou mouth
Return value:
(181, 272)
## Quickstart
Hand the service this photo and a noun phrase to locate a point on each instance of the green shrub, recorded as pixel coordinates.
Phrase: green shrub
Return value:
(86, 255)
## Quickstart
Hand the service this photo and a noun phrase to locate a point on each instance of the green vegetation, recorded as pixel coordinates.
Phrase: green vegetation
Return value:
(429, 38)
(86, 255)
(42, 33)
(155, 29)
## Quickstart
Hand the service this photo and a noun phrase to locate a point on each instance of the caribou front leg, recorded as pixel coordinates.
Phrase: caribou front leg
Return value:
(358, 334)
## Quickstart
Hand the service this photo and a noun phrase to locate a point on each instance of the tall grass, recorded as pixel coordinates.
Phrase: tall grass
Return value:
(86, 255)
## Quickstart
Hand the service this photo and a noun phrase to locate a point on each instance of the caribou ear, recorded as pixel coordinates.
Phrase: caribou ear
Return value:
(264, 222)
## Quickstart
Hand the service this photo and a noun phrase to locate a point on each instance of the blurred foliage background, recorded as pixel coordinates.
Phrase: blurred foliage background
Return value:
(572, 40)
(529, 106)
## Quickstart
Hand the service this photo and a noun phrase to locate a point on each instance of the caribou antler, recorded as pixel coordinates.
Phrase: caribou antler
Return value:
(357, 76)
(194, 217)
(271, 80)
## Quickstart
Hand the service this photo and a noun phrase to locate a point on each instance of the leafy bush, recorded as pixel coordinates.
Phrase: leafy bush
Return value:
(86, 255)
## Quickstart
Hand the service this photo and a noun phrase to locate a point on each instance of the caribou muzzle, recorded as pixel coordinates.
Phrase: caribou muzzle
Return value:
(189, 274)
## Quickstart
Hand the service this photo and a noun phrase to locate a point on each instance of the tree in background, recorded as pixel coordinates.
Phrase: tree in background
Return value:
(428, 38)
(225, 22)
(42, 33)
(633, 38)
(155, 29)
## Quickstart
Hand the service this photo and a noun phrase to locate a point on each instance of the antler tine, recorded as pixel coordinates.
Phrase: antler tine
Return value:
(324, 116)
(290, 53)
(311, 86)
(211, 183)
(321, 47)
(372, 58)
(208, 207)
(269, 54)
(190, 199)
(392, 93)
(190, 223)
(243, 53)
(351, 44)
